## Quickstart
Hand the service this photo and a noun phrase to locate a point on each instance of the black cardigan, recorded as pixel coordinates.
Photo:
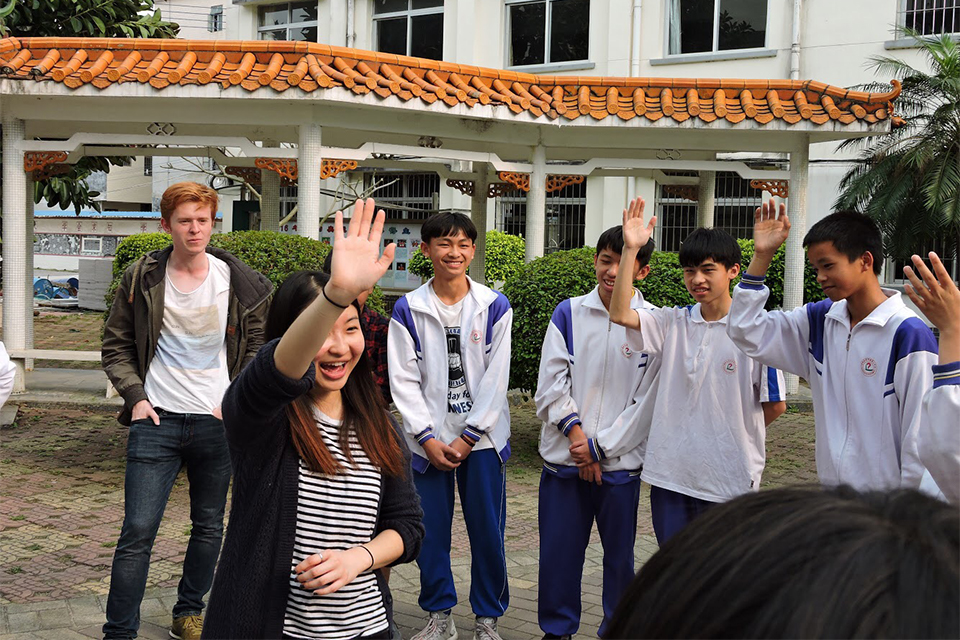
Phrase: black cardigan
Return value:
(249, 595)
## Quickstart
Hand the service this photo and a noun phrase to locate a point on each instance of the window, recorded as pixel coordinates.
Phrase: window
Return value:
(91, 245)
(548, 31)
(409, 27)
(215, 20)
(148, 165)
(566, 214)
(405, 196)
(697, 26)
(734, 206)
(930, 17)
(289, 21)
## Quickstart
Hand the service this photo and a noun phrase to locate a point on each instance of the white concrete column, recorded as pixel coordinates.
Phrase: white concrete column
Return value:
(478, 213)
(15, 248)
(797, 208)
(706, 199)
(308, 183)
(537, 205)
(28, 267)
(269, 196)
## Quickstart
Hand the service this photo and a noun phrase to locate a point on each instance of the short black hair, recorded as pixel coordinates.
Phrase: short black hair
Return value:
(612, 239)
(852, 233)
(803, 563)
(449, 223)
(327, 262)
(705, 244)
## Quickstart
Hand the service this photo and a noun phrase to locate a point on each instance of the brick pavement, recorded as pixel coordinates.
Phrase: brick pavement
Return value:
(61, 489)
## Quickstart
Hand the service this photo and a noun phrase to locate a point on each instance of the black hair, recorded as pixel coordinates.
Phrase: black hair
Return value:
(364, 410)
(853, 234)
(803, 563)
(612, 239)
(448, 223)
(327, 262)
(706, 244)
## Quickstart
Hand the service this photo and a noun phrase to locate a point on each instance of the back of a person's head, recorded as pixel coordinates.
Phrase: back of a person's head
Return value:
(448, 224)
(852, 234)
(803, 563)
(612, 240)
(709, 244)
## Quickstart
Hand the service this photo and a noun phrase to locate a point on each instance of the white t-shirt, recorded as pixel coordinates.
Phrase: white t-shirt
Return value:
(459, 401)
(707, 434)
(188, 373)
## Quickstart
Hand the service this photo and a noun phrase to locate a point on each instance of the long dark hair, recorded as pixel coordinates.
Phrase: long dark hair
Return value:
(364, 411)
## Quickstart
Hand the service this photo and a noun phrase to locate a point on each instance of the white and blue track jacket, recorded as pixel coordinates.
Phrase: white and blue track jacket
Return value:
(591, 377)
(868, 381)
(417, 359)
(940, 437)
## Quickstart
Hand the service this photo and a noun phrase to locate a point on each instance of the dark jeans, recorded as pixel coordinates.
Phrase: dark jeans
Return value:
(155, 455)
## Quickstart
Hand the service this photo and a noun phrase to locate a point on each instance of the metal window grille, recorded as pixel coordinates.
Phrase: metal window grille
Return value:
(930, 17)
(148, 165)
(734, 205)
(215, 21)
(405, 196)
(566, 214)
(944, 248)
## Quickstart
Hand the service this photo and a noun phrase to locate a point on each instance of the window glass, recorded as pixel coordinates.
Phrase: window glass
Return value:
(308, 34)
(276, 34)
(426, 4)
(569, 30)
(426, 36)
(389, 6)
(392, 36)
(743, 24)
(696, 26)
(527, 31)
(272, 15)
(303, 11)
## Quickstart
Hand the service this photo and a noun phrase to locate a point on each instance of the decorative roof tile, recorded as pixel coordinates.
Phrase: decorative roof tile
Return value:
(255, 65)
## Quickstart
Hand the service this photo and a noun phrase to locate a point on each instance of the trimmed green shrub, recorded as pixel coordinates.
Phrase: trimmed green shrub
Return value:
(275, 255)
(504, 258)
(545, 282)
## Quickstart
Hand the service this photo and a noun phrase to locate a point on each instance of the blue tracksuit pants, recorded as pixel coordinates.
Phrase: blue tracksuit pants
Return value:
(568, 507)
(481, 481)
(672, 511)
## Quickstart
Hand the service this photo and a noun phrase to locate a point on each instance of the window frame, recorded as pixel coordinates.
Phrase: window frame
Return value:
(215, 19)
(584, 63)
(715, 52)
(407, 14)
(288, 25)
(901, 22)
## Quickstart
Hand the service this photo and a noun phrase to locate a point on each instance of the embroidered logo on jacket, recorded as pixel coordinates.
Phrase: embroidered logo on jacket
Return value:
(625, 350)
(869, 367)
(475, 336)
(730, 367)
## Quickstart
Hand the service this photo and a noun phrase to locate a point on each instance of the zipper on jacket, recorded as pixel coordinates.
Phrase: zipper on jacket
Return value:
(603, 387)
(846, 406)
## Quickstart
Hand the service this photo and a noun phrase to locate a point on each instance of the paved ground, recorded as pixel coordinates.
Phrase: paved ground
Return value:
(61, 475)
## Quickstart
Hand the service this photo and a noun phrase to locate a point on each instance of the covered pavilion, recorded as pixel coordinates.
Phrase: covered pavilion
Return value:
(308, 111)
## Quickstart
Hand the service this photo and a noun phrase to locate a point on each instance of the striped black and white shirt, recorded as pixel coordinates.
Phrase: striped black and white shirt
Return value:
(336, 512)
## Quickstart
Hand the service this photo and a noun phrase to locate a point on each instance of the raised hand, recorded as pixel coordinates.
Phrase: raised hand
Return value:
(357, 263)
(936, 296)
(636, 233)
(769, 229)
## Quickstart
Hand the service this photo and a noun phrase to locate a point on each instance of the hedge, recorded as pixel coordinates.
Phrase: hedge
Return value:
(275, 255)
(504, 258)
(545, 282)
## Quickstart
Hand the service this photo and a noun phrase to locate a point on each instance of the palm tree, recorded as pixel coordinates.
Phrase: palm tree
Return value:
(909, 181)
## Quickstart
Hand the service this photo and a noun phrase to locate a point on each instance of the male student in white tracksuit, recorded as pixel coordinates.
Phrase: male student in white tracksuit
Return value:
(448, 350)
(594, 397)
(938, 298)
(867, 357)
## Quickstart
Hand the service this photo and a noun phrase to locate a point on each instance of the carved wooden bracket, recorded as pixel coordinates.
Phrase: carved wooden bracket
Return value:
(463, 186)
(40, 163)
(779, 188)
(285, 168)
(558, 182)
(252, 176)
(331, 168)
(685, 191)
(519, 180)
(497, 189)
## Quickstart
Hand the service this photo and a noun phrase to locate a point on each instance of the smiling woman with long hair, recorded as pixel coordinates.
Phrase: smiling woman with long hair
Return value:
(322, 493)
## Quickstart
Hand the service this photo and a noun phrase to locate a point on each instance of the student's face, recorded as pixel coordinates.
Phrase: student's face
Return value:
(709, 280)
(839, 277)
(450, 255)
(607, 265)
(190, 226)
(340, 353)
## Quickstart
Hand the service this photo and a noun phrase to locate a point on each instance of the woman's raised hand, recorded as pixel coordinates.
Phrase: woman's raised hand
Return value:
(357, 263)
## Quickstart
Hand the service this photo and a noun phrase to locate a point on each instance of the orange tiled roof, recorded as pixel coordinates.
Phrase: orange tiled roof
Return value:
(309, 67)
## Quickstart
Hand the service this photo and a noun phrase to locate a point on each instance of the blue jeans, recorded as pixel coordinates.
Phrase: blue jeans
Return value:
(155, 455)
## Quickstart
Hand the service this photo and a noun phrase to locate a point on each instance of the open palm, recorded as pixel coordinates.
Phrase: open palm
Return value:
(636, 232)
(357, 263)
(769, 229)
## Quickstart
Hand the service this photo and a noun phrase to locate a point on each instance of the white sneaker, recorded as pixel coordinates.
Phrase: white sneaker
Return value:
(439, 627)
(486, 629)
